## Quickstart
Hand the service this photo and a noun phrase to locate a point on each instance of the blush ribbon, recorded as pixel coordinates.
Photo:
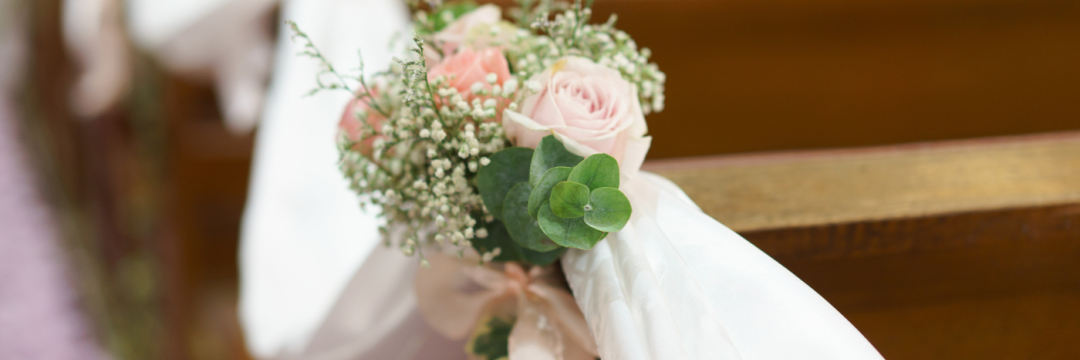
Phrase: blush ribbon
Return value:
(454, 294)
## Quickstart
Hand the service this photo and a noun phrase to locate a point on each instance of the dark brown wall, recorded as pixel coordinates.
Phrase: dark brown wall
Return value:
(792, 74)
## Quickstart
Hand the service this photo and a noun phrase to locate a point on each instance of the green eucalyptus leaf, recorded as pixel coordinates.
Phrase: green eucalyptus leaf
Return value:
(507, 168)
(550, 153)
(597, 171)
(540, 258)
(499, 237)
(568, 199)
(609, 210)
(568, 232)
(523, 228)
(542, 192)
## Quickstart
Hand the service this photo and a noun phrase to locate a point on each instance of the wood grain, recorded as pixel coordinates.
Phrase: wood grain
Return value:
(780, 190)
(954, 250)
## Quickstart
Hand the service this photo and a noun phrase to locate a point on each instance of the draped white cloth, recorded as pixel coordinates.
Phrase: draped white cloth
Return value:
(304, 293)
(674, 284)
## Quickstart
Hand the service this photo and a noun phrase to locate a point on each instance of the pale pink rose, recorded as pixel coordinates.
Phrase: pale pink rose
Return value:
(351, 124)
(589, 107)
(454, 34)
(469, 66)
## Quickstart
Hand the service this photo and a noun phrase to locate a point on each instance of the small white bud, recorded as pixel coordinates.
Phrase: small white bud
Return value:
(491, 78)
(424, 133)
(533, 85)
(489, 103)
(513, 107)
(477, 87)
(484, 161)
(483, 234)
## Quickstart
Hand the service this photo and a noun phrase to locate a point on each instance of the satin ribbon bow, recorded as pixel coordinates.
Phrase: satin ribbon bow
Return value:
(455, 294)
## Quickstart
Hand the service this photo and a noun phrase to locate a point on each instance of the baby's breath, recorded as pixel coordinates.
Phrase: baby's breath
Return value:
(432, 139)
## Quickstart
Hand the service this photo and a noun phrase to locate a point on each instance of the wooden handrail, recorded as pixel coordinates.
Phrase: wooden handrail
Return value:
(812, 188)
(899, 225)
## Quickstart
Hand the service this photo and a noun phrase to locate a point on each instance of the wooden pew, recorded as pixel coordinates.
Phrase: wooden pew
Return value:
(951, 250)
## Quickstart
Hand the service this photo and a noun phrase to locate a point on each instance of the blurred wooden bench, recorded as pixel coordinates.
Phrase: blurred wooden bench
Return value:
(951, 250)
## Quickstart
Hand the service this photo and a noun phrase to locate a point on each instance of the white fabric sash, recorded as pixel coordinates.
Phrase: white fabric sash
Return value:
(676, 284)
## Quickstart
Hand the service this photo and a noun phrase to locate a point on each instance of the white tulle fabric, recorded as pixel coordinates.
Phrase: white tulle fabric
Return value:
(676, 284)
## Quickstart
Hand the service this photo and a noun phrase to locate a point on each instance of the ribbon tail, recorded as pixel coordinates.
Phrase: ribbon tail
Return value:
(535, 336)
(561, 307)
(447, 309)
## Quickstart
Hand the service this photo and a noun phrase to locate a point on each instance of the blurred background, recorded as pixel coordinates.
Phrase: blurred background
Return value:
(126, 145)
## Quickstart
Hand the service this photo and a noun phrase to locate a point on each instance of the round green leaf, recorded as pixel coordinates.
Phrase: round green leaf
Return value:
(597, 171)
(507, 168)
(568, 232)
(610, 210)
(523, 228)
(568, 199)
(550, 153)
(542, 192)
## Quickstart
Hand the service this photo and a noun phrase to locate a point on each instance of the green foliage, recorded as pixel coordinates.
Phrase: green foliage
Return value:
(494, 180)
(569, 199)
(609, 210)
(499, 238)
(523, 228)
(597, 171)
(492, 340)
(568, 232)
(542, 192)
(550, 153)
(569, 207)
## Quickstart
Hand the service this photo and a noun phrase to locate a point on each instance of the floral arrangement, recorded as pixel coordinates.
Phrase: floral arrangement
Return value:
(504, 138)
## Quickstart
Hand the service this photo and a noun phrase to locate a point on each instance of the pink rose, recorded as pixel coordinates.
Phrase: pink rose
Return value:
(454, 34)
(468, 67)
(589, 107)
(351, 124)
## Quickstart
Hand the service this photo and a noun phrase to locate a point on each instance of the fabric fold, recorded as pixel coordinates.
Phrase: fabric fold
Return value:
(676, 284)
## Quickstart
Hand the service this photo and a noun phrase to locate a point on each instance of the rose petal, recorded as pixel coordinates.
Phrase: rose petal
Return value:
(523, 131)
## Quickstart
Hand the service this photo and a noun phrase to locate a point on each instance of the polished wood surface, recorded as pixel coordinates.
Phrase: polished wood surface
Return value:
(956, 250)
(781, 190)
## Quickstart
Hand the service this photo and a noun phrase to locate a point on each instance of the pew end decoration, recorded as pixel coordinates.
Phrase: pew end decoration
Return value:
(498, 145)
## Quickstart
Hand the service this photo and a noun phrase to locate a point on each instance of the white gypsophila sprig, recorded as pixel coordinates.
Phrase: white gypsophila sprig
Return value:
(569, 34)
(423, 164)
(430, 139)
